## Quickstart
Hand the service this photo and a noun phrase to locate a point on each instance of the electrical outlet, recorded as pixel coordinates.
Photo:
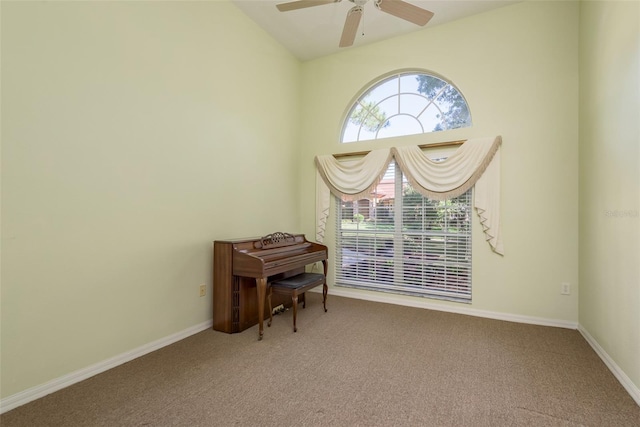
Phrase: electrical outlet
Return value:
(203, 290)
(565, 288)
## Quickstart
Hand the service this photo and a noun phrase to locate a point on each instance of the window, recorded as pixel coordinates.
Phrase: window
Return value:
(406, 103)
(398, 241)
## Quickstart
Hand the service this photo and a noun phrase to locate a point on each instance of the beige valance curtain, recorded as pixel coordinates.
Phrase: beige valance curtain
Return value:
(351, 180)
(474, 163)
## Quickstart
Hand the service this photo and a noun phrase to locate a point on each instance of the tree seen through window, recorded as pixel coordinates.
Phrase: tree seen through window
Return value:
(405, 104)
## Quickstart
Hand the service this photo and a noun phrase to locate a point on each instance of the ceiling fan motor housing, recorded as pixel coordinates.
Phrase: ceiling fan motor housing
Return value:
(397, 8)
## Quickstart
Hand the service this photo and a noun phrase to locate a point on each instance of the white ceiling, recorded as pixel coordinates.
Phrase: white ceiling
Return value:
(315, 31)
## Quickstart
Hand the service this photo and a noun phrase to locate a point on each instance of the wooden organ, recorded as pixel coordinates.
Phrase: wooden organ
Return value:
(243, 267)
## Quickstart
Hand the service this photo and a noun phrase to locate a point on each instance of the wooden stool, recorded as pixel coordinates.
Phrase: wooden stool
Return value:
(295, 286)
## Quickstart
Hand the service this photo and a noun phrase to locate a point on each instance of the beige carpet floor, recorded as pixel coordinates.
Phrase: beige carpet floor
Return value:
(360, 364)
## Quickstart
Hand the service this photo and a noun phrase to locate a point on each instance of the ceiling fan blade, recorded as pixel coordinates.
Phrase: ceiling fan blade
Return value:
(404, 10)
(351, 26)
(301, 4)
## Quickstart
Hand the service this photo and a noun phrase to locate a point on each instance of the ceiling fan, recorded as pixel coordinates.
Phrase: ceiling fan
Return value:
(398, 8)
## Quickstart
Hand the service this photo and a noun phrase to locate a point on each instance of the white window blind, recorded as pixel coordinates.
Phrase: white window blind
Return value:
(398, 241)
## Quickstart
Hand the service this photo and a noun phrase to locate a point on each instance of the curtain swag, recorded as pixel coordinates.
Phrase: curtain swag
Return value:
(476, 163)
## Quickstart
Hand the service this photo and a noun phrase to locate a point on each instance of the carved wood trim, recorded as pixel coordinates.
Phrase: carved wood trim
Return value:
(275, 240)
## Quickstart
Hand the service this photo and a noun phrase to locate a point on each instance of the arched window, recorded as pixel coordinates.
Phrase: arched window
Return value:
(405, 103)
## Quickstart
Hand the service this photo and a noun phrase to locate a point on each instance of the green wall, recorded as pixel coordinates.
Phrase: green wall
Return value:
(610, 181)
(520, 79)
(133, 135)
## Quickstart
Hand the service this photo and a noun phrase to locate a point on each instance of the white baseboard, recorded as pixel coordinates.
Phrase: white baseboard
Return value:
(424, 303)
(626, 382)
(42, 390)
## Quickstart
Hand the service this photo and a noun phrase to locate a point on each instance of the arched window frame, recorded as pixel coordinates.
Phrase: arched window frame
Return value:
(414, 122)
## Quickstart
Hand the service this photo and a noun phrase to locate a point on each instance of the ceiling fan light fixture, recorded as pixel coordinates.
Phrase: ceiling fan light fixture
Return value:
(404, 10)
(398, 8)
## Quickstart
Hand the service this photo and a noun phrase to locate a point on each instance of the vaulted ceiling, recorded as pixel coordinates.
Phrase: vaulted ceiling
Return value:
(313, 32)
